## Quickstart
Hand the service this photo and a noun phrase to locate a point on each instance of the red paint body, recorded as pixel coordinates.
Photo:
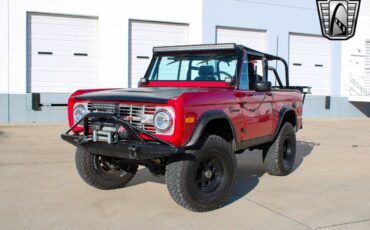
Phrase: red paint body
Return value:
(258, 112)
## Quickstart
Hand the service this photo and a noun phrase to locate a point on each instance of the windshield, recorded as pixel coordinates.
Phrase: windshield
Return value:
(194, 67)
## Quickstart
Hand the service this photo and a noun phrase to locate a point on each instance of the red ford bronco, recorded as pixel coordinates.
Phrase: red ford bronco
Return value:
(195, 108)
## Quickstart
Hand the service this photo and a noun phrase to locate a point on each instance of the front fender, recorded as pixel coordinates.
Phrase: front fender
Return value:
(204, 119)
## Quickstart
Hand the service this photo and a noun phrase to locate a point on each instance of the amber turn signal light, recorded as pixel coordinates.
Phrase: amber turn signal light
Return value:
(189, 120)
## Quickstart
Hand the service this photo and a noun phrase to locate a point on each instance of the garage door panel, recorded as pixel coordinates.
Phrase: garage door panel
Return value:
(64, 69)
(62, 45)
(64, 37)
(158, 33)
(61, 88)
(63, 21)
(310, 62)
(45, 84)
(146, 35)
(169, 27)
(75, 75)
(62, 53)
(254, 39)
(160, 40)
(58, 19)
(63, 30)
(87, 64)
(91, 54)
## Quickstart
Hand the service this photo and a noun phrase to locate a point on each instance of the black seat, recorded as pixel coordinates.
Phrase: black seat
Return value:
(206, 73)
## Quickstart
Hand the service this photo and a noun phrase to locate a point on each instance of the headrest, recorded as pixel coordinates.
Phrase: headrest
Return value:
(206, 70)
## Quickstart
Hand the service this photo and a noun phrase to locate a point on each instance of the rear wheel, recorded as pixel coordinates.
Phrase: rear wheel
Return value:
(279, 156)
(103, 172)
(205, 181)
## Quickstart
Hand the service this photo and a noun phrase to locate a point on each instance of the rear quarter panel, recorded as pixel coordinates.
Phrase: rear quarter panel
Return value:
(288, 98)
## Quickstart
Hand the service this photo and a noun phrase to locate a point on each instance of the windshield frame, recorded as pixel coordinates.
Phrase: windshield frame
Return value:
(234, 83)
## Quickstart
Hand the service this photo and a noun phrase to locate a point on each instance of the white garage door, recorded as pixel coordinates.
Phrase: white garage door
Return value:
(62, 53)
(253, 39)
(310, 62)
(146, 35)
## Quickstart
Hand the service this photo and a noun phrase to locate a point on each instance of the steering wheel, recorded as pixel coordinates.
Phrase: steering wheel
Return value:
(222, 72)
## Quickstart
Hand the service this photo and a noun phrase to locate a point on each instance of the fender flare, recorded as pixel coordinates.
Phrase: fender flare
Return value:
(284, 110)
(202, 122)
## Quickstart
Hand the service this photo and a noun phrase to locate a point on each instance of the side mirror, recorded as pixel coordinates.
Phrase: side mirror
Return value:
(263, 86)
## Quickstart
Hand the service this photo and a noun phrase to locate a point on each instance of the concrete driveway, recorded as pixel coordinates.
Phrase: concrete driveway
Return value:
(329, 189)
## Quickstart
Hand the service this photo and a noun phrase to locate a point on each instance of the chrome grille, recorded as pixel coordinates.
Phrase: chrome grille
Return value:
(102, 107)
(130, 113)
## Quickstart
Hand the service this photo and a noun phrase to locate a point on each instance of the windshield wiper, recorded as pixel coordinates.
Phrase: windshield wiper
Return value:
(179, 58)
(216, 56)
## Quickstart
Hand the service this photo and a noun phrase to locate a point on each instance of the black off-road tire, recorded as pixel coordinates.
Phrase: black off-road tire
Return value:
(279, 156)
(90, 170)
(187, 180)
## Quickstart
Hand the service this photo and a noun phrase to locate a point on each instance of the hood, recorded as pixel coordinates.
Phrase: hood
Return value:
(150, 94)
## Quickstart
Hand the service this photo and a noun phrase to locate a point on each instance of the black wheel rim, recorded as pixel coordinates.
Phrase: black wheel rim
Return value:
(287, 150)
(208, 175)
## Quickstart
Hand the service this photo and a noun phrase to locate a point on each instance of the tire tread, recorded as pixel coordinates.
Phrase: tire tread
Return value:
(175, 178)
(85, 168)
(272, 155)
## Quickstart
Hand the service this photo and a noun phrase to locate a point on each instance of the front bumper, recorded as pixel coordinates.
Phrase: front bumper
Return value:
(134, 149)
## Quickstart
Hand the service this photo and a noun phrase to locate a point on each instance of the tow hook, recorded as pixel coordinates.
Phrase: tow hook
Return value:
(84, 140)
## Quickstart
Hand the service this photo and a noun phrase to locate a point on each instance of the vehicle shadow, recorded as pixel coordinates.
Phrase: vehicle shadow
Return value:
(250, 169)
(143, 175)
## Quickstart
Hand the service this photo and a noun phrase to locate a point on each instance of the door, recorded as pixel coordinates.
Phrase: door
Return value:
(146, 35)
(257, 106)
(310, 62)
(258, 114)
(61, 53)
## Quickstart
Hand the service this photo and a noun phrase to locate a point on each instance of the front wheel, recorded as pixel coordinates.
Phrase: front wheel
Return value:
(280, 155)
(206, 179)
(103, 172)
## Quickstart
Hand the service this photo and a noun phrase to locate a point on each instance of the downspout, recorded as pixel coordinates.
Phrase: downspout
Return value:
(8, 62)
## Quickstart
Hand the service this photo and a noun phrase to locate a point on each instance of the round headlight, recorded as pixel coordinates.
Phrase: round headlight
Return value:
(163, 120)
(78, 112)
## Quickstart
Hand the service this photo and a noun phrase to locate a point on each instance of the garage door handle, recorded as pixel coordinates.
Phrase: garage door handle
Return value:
(297, 64)
(45, 53)
(80, 54)
(142, 57)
